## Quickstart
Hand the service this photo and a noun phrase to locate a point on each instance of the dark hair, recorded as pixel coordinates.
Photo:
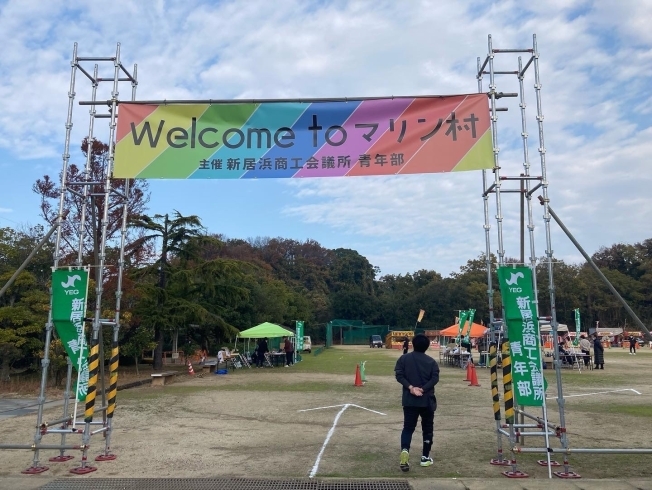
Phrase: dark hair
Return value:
(420, 343)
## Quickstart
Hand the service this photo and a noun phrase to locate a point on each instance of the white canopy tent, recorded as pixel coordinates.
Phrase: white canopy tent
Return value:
(548, 329)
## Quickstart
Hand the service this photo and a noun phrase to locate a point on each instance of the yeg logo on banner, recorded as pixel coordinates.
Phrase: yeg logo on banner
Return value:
(70, 283)
(513, 279)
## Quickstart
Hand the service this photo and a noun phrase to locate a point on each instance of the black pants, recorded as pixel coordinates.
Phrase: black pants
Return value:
(632, 348)
(410, 417)
(289, 358)
(260, 360)
(586, 356)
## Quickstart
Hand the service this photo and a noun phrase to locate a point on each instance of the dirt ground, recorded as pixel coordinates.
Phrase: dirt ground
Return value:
(249, 423)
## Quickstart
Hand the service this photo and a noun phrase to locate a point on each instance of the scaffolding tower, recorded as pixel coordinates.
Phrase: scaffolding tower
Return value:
(529, 183)
(530, 180)
(68, 424)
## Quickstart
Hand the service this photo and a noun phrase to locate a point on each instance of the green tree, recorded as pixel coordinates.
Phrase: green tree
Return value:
(182, 288)
(21, 322)
(24, 307)
(49, 192)
(135, 341)
(171, 235)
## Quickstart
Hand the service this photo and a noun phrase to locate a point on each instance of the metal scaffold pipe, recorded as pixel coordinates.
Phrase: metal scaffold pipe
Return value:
(578, 450)
(38, 447)
(597, 270)
(29, 258)
(537, 419)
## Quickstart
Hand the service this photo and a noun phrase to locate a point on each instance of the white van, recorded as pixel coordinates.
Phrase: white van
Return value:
(307, 345)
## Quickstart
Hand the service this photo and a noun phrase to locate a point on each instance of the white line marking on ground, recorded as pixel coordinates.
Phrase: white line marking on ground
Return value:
(315, 467)
(344, 406)
(596, 393)
(367, 409)
(320, 408)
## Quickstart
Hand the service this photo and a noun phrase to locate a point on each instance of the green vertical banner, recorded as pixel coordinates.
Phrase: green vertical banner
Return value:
(576, 341)
(69, 293)
(523, 333)
(299, 334)
(467, 337)
(463, 316)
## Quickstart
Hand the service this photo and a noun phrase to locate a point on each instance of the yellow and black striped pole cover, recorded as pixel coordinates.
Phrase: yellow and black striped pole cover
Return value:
(113, 383)
(93, 368)
(494, 380)
(507, 384)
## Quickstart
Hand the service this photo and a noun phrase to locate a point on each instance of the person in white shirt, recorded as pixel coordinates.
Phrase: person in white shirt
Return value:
(585, 347)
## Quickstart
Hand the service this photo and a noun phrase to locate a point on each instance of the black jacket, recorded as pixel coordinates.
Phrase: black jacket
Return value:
(262, 347)
(419, 370)
(598, 352)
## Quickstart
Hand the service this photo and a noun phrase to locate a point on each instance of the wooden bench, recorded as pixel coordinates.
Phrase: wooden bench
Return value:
(209, 367)
(158, 379)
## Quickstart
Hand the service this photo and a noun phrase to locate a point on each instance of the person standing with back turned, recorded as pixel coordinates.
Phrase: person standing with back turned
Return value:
(632, 345)
(418, 373)
(598, 352)
(262, 350)
(585, 345)
(289, 352)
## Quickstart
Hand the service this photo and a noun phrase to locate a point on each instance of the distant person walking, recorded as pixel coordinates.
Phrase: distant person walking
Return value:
(262, 349)
(598, 353)
(289, 352)
(418, 373)
(632, 345)
(406, 345)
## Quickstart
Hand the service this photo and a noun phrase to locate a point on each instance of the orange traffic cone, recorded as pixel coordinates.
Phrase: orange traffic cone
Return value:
(191, 371)
(469, 367)
(358, 379)
(474, 377)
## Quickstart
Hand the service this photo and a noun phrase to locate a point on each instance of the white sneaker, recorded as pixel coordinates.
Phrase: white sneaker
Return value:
(426, 461)
(287, 365)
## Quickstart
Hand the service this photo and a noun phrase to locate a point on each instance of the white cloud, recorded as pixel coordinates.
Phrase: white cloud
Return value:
(596, 69)
(6, 210)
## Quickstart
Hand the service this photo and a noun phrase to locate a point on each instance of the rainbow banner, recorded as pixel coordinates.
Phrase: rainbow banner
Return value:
(278, 139)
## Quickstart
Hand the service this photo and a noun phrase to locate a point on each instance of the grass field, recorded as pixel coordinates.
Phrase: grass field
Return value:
(249, 423)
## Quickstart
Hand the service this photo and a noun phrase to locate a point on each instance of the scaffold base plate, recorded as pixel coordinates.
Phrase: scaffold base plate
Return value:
(60, 459)
(543, 462)
(106, 457)
(498, 462)
(35, 470)
(83, 470)
(571, 475)
(226, 484)
(515, 474)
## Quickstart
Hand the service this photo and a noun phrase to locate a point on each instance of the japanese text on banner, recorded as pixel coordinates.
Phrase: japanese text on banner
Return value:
(69, 291)
(523, 332)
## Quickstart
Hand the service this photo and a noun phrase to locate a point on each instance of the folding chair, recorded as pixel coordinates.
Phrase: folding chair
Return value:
(268, 360)
(578, 357)
(245, 362)
(236, 361)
